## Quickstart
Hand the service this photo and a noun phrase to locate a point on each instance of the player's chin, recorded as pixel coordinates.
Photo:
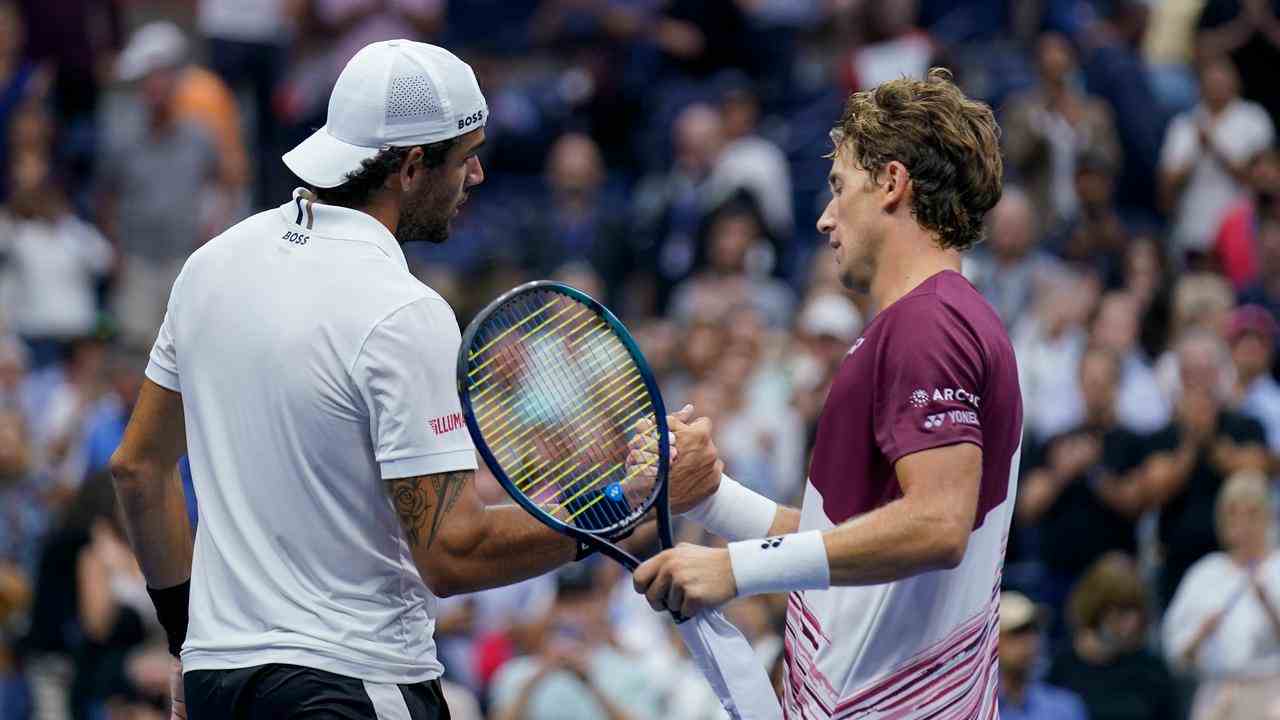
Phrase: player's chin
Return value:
(854, 281)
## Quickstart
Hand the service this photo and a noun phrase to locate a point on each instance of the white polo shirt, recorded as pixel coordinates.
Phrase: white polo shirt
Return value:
(313, 367)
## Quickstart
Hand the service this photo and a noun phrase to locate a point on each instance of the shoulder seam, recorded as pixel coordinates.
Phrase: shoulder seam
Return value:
(429, 296)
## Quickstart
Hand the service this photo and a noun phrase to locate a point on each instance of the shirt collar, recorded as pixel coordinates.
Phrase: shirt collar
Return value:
(341, 223)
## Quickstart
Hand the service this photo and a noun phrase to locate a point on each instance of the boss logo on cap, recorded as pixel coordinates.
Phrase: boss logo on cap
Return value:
(471, 119)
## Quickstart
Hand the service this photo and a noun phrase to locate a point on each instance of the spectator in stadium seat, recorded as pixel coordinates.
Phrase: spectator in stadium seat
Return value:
(699, 37)
(1204, 159)
(1106, 662)
(1079, 489)
(1046, 128)
(734, 250)
(77, 40)
(1191, 458)
(1097, 237)
(1224, 622)
(1140, 406)
(887, 43)
(106, 419)
(1199, 302)
(575, 221)
(751, 163)
(826, 328)
(352, 24)
(114, 613)
(579, 672)
(1246, 31)
(199, 97)
(1115, 70)
(153, 186)
(1049, 343)
(760, 436)
(1146, 280)
(1235, 242)
(50, 261)
(248, 43)
(15, 599)
(670, 206)
(1010, 265)
(1022, 697)
(1266, 291)
(1252, 334)
(24, 516)
(14, 362)
(21, 81)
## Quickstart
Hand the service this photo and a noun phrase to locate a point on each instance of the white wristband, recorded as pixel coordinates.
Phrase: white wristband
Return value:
(735, 512)
(780, 564)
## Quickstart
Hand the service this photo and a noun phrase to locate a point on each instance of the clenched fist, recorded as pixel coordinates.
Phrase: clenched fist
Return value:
(687, 579)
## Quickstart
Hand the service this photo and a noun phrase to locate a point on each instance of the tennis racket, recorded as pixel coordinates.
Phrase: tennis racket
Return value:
(567, 415)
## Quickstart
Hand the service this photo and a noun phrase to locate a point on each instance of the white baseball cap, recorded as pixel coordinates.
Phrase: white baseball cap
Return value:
(154, 46)
(395, 93)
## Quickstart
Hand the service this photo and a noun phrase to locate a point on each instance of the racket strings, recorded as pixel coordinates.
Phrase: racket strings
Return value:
(566, 488)
(558, 399)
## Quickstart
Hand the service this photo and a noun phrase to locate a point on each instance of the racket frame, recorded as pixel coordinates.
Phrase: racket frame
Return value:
(658, 499)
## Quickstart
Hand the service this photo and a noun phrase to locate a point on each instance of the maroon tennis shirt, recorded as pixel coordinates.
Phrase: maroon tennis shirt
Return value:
(933, 369)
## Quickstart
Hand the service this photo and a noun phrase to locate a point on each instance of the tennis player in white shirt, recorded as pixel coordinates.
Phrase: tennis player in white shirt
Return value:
(311, 380)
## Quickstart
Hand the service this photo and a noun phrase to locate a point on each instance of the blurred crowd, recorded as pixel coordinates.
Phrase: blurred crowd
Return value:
(667, 157)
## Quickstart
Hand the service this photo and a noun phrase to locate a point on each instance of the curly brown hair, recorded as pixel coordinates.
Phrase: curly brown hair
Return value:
(949, 144)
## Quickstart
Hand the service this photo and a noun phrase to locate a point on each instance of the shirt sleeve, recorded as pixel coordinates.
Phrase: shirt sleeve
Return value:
(162, 367)
(929, 376)
(1187, 612)
(93, 248)
(406, 374)
(1180, 144)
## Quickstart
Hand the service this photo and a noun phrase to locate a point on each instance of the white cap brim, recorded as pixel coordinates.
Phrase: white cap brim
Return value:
(324, 161)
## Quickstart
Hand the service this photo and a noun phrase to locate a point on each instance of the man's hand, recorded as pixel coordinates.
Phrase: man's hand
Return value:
(696, 474)
(1072, 456)
(687, 579)
(176, 693)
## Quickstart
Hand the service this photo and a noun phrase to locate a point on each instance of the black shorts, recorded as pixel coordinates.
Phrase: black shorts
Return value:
(271, 692)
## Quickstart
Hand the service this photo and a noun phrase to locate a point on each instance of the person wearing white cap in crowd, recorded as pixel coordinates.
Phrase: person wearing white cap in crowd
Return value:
(310, 378)
(160, 179)
(1022, 697)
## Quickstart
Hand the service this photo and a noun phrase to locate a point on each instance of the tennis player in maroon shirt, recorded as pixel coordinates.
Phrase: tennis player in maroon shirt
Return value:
(893, 560)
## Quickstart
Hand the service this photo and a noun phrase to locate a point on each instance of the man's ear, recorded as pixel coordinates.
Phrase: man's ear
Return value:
(409, 169)
(896, 183)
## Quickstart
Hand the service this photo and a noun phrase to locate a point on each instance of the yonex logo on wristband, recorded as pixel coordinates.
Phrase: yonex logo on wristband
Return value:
(770, 543)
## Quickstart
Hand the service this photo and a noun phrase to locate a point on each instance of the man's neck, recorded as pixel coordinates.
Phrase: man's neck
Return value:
(906, 264)
(1102, 419)
(383, 208)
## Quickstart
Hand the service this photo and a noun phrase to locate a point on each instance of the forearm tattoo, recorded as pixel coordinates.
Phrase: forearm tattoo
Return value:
(417, 497)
